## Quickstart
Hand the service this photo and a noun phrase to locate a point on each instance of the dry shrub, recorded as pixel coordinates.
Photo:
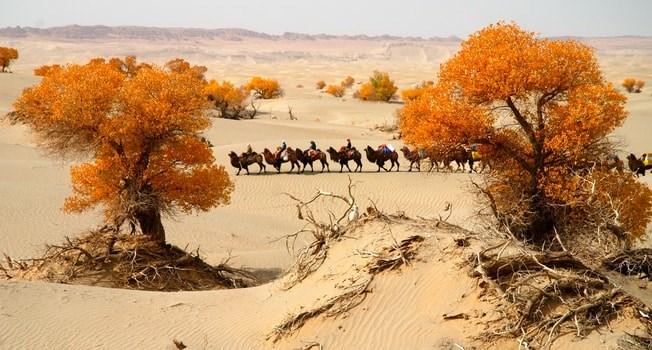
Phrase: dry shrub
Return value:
(635, 262)
(310, 258)
(320, 84)
(126, 261)
(335, 90)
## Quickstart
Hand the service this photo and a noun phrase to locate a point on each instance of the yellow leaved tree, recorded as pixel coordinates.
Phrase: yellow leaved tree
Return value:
(141, 126)
(541, 113)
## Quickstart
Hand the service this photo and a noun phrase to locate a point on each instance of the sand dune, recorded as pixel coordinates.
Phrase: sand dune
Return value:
(33, 187)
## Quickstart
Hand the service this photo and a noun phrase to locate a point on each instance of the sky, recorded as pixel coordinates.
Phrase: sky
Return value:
(372, 17)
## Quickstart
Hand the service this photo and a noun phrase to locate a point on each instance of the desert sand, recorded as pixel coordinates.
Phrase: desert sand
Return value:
(395, 316)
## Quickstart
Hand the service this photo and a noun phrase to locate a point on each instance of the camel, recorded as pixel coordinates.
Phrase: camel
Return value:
(636, 165)
(379, 157)
(291, 157)
(307, 158)
(244, 161)
(414, 157)
(474, 157)
(458, 155)
(343, 156)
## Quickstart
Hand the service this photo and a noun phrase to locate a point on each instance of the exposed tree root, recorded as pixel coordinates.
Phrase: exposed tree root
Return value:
(350, 298)
(398, 254)
(310, 258)
(634, 342)
(632, 262)
(550, 294)
(388, 258)
(126, 261)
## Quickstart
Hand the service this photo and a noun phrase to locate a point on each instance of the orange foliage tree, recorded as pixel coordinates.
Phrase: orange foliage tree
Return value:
(263, 88)
(230, 100)
(142, 126)
(379, 88)
(320, 84)
(335, 90)
(410, 94)
(541, 112)
(46, 69)
(7, 54)
(348, 82)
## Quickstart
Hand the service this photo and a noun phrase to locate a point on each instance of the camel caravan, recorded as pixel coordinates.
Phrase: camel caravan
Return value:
(382, 156)
(460, 156)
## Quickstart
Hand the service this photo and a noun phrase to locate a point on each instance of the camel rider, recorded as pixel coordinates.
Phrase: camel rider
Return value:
(313, 148)
(347, 149)
(281, 150)
(249, 152)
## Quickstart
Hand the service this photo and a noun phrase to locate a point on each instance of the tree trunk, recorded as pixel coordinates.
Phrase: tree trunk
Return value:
(151, 225)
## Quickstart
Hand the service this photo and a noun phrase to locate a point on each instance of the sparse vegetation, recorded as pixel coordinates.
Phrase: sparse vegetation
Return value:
(7, 55)
(264, 88)
(379, 88)
(335, 90)
(320, 84)
(348, 82)
(633, 85)
(230, 100)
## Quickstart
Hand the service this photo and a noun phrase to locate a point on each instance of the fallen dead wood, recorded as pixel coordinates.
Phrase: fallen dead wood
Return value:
(398, 254)
(549, 294)
(126, 261)
(636, 262)
(311, 257)
(634, 342)
(388, 258)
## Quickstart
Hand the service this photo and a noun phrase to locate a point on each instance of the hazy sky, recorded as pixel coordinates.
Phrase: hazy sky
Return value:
(398, 17)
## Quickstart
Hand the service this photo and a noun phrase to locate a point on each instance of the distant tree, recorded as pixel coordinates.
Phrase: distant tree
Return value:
(320, 84)
(541, 112)
(379, 88)
(410, 94)
(335, 90)
(7, 54)
(141, 127)
(348, 82)
(230, 100)
(632, 85)
(263, 88)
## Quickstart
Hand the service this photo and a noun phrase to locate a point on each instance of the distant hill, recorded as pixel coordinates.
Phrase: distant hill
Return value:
(152, 33)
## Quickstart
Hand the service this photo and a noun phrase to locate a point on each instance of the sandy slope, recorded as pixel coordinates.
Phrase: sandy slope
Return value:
(33, 186)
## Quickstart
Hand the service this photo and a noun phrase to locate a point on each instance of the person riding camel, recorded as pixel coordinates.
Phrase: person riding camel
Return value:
(249, 152)
(348, 148)
(281, 150)
(312, 149)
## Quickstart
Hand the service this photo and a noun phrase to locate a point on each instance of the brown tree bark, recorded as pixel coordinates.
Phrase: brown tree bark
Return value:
(151, 225)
